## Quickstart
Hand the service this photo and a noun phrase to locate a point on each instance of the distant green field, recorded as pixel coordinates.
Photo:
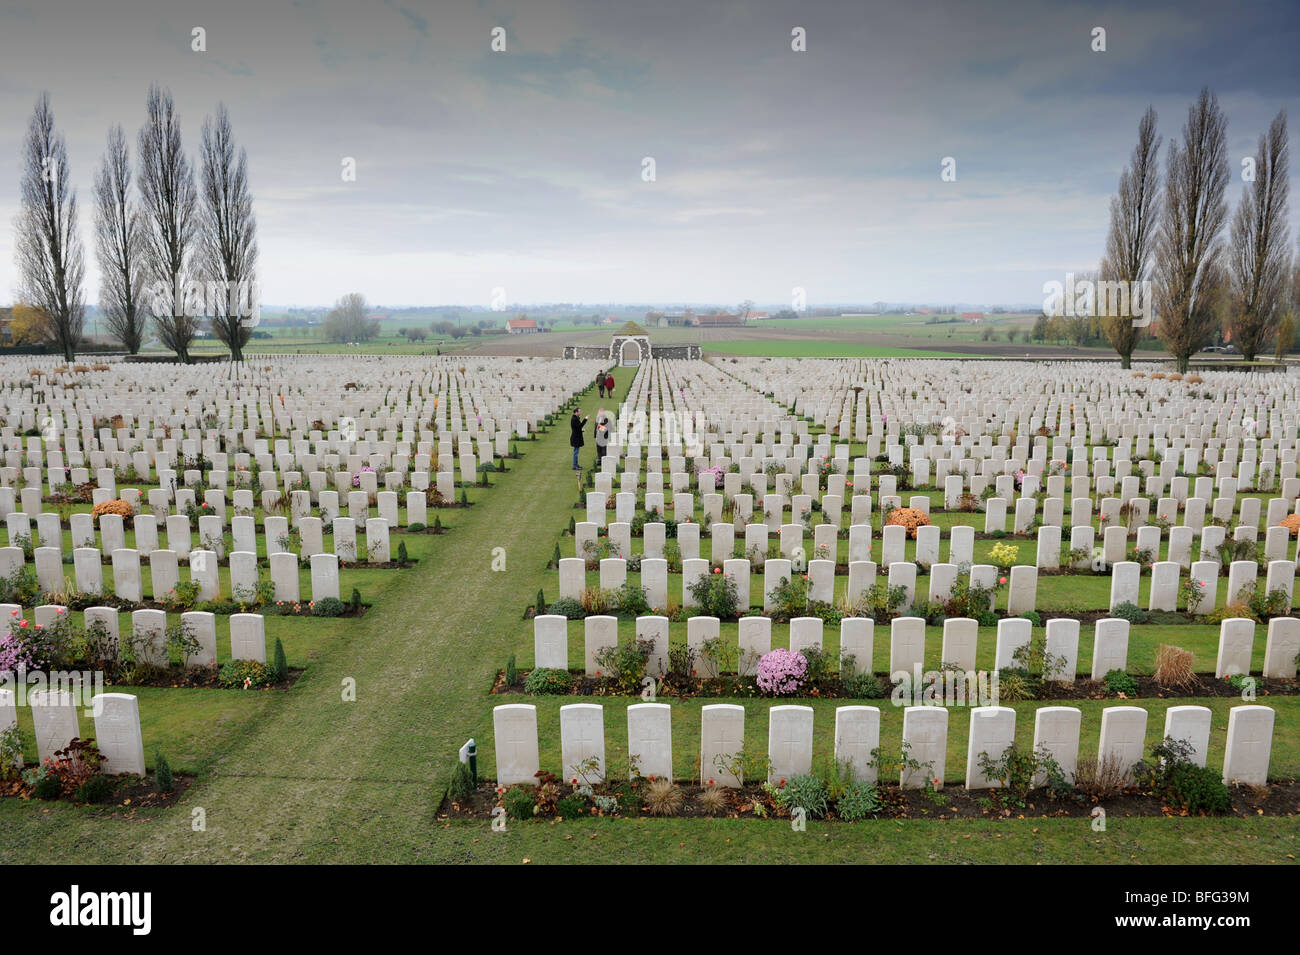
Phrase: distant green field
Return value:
(816, 349)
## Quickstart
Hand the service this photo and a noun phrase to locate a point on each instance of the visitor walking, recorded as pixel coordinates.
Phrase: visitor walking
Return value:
(576, 424)
(600, 383)
(609, 385)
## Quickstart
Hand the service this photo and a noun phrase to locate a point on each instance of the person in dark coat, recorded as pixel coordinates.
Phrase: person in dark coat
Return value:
(576, 424)
(600, 383)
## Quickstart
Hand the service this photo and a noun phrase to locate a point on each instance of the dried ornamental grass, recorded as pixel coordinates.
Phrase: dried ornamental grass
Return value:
(663, 798)
(1292, 524)
(1174, 667)
(908, 517)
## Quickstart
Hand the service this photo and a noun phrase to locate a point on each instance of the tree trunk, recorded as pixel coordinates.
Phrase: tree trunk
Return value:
(236, 349)
(1183, 362)
(1125, 361)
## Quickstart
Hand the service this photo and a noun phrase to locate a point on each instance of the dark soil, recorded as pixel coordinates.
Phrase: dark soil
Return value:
(131, 794)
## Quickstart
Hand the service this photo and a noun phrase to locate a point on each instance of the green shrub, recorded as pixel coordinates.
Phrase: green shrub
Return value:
(1131, 612)
(1179, 782)
(569, 807)
(356, 599)
(789, 598)
(521, 802)
(47, 787)
(280, 665)
(415, 528)
(94, 789)
(240, 674)
(543, 682)
(462, 783)
(512, 673)
(863, 686)
(540, 603)
(859, 801)
(1198, 789)
(567, 607)
(162, 772)
(1034, 618)
(1117, 681)
(631, 599)
(328, 607)
(625, 663)
(807, 792)
(717, 596)
(401, 553)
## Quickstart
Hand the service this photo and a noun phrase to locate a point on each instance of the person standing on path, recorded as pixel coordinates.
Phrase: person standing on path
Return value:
(601, 433)
(609, 385)
(600, 383)
(576, 424)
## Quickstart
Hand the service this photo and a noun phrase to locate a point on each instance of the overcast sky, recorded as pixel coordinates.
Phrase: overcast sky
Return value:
(774, 169)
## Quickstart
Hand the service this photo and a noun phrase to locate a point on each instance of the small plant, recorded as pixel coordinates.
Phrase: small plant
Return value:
(328, 607)
(1004, 555)
(11, 753)
(663, 798)
(789, 598)
(512, 673)
(520, 802)
(1131, 612)
(162, 772)
(805, 792)
(859, 801)
(717, 595)
(861, 686)
(245, 675)
(544, 681)
(1174, 667)
(462, 783)
(279, 665)
(1121, 683)
(631, 599)
(781, 672)
(96, 789)
(567, 607)
(714, 801)
(1179, 782)
(625, 663)
(1101, 779)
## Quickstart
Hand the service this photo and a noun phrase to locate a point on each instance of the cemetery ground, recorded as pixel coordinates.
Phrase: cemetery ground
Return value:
(297, 775)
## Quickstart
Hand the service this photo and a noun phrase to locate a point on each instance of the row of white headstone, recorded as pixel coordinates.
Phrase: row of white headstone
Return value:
(54, 718)
(149, 631)
(907, 643)
(164, 572)
(857, 734)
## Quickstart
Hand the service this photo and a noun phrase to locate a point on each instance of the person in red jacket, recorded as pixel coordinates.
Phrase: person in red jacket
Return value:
(609, 385)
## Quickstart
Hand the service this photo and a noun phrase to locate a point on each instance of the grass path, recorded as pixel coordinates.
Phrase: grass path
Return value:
(314, 778)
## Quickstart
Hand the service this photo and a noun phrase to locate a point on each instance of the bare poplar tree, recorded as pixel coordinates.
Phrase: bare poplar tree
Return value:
(228, 239)
(118, 243)
(1259, 259)
(1190, 282)
(169, 201)
(1134, 214)
(50, 259)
